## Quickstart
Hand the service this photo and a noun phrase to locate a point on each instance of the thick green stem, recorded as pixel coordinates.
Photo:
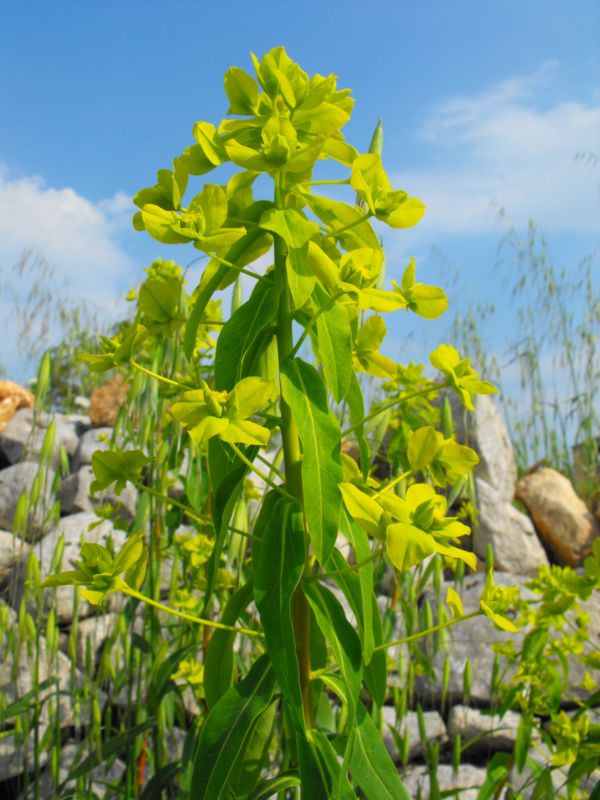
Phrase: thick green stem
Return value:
(293, 462)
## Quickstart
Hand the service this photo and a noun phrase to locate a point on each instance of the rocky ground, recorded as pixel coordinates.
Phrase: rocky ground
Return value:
(557, 528)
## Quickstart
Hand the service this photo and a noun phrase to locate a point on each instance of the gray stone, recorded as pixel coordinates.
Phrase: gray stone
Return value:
(74, 528)
(106, 774)
(12, 551)
(511, 534)
(484, 430)
(19, 478)
(470, 641)
(75, 496)
(91, 440)
(23, 436)
(16, 755)
(467, 778)
(92, 632)
(489, 731)
(17, 679)
(395, 730)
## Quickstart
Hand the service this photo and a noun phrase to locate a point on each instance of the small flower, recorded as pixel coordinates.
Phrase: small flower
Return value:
(207, 413)
(460, 374)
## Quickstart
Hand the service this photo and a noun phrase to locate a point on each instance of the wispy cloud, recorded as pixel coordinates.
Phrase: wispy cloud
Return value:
(502, 149)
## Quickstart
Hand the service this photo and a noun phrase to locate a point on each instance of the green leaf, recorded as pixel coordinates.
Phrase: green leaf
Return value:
(329, 758)
(109, 748)
(256, 752)
(159, 298)
(277, 574)
(241, 90)
(161, 780)
(218, 662)
(362, 508)
(114, 466)
(222, 738)
(296, 231)
(197, 312)
(497, 773)
(422, 447)
(339, 215)
(319, 432)
(370, 765)
(454, 602)
(362, 550)
(356, 408)
(271, 787)
(340, 635)
(240, 333)
(334, 345)
(314, 777)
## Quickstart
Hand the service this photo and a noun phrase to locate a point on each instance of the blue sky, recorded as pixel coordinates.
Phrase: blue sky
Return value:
(484, 105)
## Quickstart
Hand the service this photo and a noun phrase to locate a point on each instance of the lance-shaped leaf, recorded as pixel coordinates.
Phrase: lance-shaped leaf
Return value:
(340, 636)
(319, 431)
(118, 467)
(226, 729)
(236, 342)
(367, 357)
(218, 663)
(334, 344)
(370, 765)
(460, 374)
(278, 571)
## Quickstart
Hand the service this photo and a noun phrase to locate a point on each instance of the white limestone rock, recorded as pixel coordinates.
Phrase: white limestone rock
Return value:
(511, 534)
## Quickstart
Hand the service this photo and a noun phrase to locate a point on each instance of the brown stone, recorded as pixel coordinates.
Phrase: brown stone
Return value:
(12, 398)
(562, 519)
(106, 402)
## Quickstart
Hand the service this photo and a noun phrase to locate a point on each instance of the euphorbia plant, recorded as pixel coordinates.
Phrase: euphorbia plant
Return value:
(283, 359)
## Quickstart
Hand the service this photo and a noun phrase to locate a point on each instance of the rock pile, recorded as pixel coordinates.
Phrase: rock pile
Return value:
(557, 528)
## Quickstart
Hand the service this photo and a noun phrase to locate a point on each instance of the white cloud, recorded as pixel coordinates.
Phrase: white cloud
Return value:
(499, 148)
(76, 235)
(76, 238)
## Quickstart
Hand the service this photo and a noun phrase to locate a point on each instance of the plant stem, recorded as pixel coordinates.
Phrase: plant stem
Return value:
(189, 511)
(158, 377)
(337, 231)
(293, 462)
(351, 568)
(397, 402)
(236, 268)
(189, 617)
(341, 182)
(429, 631)
(393, 483)
(260, 474)
(312, 321)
